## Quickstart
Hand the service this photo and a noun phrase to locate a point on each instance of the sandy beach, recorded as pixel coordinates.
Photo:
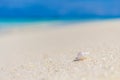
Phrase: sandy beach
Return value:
(47, 53)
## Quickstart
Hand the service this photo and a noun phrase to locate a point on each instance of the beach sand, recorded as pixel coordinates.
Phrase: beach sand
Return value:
(47, 53)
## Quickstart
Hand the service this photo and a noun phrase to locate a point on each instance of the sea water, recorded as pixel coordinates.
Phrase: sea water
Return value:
(19, 22)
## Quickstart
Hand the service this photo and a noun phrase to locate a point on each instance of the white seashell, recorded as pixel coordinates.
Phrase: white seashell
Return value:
(81, 56)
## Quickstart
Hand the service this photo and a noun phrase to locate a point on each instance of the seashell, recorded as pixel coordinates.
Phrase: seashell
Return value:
(81, 56)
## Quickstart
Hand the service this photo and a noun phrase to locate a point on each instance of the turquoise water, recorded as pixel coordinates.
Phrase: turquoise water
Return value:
(4, 23)
(33, 20)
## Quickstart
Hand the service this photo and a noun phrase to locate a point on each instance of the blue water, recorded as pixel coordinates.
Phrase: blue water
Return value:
(49, 10)
(67, 11)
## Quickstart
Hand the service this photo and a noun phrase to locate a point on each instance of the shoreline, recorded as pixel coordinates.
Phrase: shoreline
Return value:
(9, 24)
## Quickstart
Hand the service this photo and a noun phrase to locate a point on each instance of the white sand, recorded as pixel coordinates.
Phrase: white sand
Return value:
(48, 53)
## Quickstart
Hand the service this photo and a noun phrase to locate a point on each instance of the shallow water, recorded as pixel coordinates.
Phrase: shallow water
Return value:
(22, 22)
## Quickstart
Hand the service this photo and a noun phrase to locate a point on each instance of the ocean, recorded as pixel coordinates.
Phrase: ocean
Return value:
(16, 21)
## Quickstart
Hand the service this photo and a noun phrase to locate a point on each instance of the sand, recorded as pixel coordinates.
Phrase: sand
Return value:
(47, 53)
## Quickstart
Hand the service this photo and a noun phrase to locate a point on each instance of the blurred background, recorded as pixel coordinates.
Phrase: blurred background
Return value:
(58, 9)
